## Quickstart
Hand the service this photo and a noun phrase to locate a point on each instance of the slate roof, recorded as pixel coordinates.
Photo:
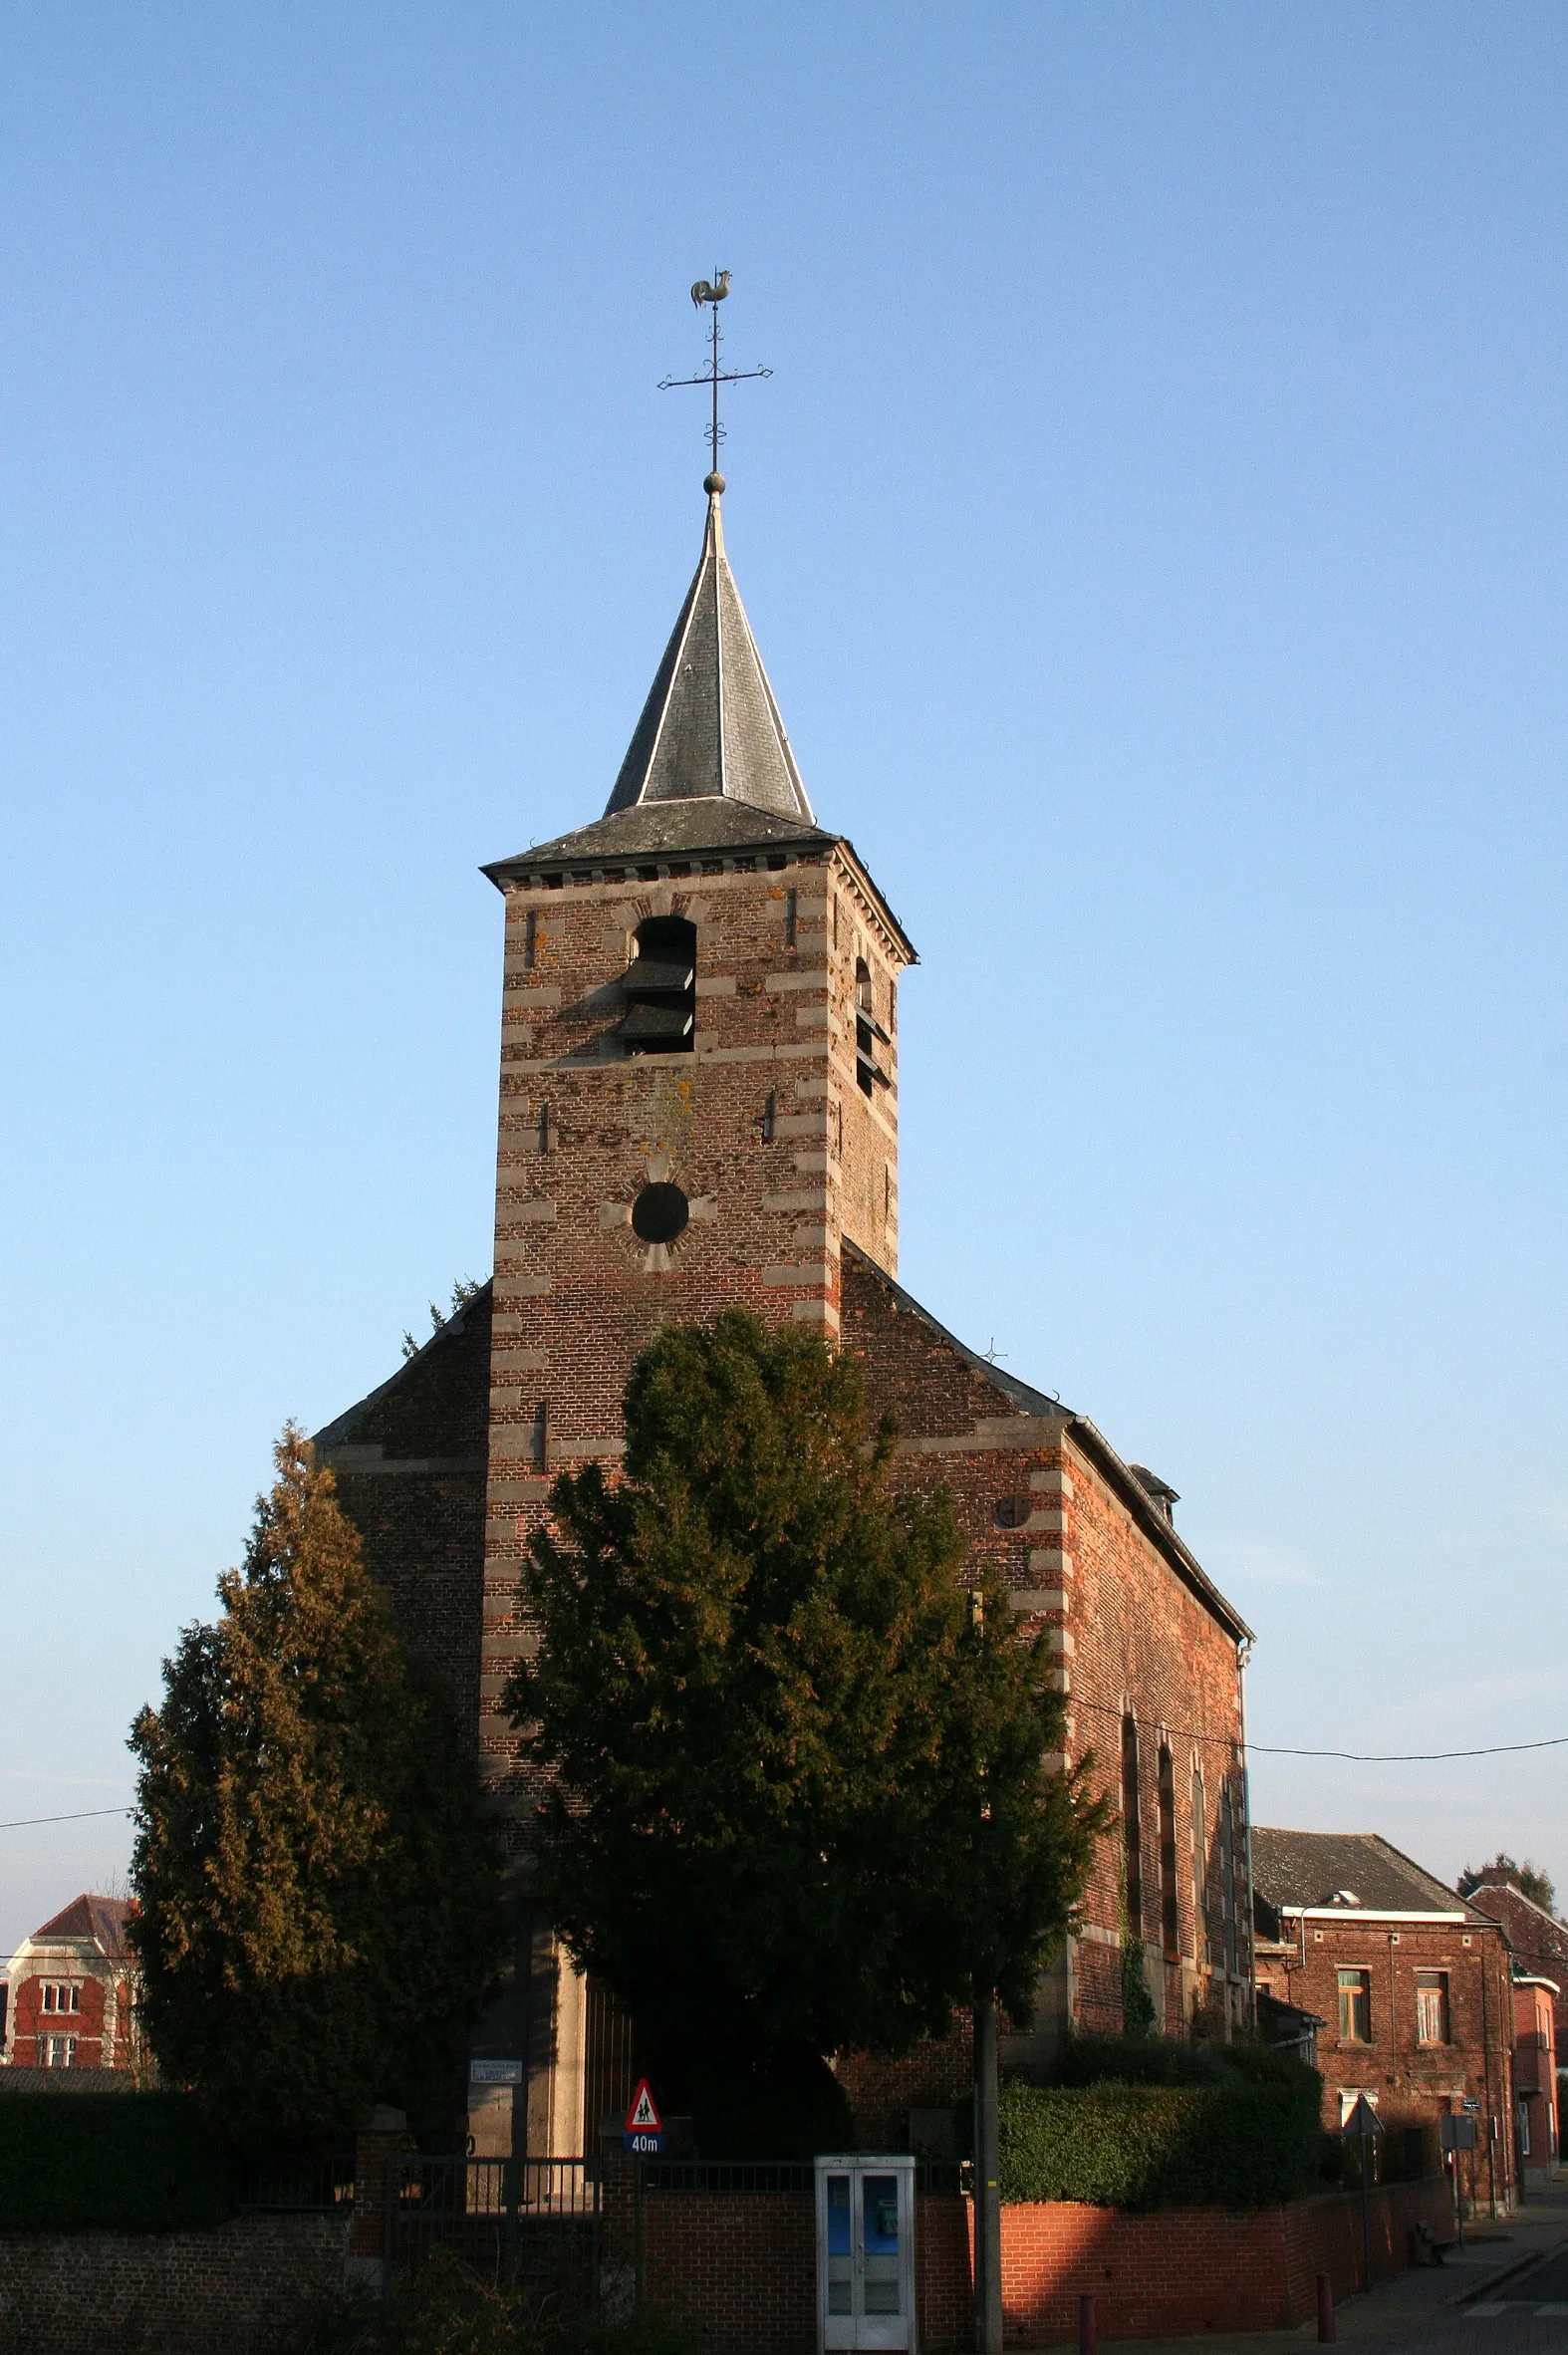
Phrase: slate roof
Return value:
(652, 829)
(711, 725)
(1308, 1869)
(100, 1919)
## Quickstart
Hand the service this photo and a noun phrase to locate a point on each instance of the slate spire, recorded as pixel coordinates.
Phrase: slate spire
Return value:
(710, 727)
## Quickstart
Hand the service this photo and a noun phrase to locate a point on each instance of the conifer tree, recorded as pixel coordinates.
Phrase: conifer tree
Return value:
(317, 1882)
(802, 1792)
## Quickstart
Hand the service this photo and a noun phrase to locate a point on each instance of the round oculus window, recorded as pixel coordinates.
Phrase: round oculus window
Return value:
(659, 1214)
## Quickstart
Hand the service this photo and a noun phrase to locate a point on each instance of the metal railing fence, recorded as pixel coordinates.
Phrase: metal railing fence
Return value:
(525, 2224)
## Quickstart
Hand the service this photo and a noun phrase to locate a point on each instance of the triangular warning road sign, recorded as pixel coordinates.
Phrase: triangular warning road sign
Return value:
(1362, 2120)
(644, 2117)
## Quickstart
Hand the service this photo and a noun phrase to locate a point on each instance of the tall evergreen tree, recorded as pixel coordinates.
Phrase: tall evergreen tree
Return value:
(802, 1788)
(317, 1880)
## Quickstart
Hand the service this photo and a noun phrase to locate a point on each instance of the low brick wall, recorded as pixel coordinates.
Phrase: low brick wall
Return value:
(1183, 2270)
(221, 2291)
(742, 2265)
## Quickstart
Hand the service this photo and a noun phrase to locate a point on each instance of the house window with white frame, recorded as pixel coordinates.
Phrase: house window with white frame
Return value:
(60, 1996)
(57, 2052)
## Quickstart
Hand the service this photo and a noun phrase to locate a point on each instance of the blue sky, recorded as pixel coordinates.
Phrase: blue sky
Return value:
(1154, 530)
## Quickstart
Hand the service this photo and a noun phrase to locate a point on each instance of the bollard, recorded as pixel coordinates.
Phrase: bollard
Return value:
(1087, 2340)
(1325, 2310)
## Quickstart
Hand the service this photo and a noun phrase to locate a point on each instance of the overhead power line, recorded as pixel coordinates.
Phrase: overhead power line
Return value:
(19, 1822)
(1269, 1749)
(1265, 1750)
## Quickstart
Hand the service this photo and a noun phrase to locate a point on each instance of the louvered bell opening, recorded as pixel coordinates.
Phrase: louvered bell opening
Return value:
(658, 977)
(661, 988)
(655, 1028)
(869, 1073)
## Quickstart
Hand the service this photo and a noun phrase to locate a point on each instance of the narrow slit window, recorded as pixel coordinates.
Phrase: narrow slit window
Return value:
(1131, 1836)
(791, 916)
(869, 1073)
(769, 1117)
(531, 938)
(1200, 1871)
(1170, 1912)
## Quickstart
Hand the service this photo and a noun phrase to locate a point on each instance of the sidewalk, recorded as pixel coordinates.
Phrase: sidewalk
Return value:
(1420, 2307)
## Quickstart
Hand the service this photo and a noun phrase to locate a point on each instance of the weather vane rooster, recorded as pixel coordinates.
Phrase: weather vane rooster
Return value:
(711, 292)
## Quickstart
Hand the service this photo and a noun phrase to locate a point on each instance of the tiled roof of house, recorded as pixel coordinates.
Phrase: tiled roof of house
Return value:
(100, 1919)
(1356, 1872)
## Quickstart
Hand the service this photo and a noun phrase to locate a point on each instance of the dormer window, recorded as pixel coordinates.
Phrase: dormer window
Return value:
(661, 988)
(869, 1073)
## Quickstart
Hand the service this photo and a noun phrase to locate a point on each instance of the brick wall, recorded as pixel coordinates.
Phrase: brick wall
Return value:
(743, 2267)
(1539, 1942)
(1049, 1510)
(102, 2293)
(29, 2022)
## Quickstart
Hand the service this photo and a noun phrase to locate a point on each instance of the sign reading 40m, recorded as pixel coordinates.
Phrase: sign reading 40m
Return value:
(645, 2128)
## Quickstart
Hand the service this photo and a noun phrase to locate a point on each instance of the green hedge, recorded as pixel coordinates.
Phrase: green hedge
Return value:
(1148, 2123)
(138, 2162)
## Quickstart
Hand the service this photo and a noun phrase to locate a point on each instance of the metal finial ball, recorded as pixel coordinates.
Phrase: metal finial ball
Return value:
(713, 484)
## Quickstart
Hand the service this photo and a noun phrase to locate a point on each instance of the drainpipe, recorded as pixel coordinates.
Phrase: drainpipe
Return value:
(1243, 1655)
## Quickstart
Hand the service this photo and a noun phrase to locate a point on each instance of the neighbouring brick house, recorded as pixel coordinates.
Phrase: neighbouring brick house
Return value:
(69, 2002)
(1412, 1984)
(1538, 1939)
(1536, 2121)
(698, 1107)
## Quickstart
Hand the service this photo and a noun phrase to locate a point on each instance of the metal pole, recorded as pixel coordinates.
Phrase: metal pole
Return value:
(1364, 2140)
(1325, 2310)
(509, 2191)
(987, 2186)
(1087, 2339)
(638, 2245)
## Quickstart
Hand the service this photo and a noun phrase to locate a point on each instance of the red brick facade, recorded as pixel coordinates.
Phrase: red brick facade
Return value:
(1536, 2125)
(1539, 1942)
(70, 1993)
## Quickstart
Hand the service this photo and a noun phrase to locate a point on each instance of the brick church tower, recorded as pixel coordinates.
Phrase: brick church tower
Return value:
(698, 1107)
(699, 1095)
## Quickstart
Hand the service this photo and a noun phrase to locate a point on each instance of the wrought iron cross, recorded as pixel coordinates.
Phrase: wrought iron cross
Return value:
(711, 292)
